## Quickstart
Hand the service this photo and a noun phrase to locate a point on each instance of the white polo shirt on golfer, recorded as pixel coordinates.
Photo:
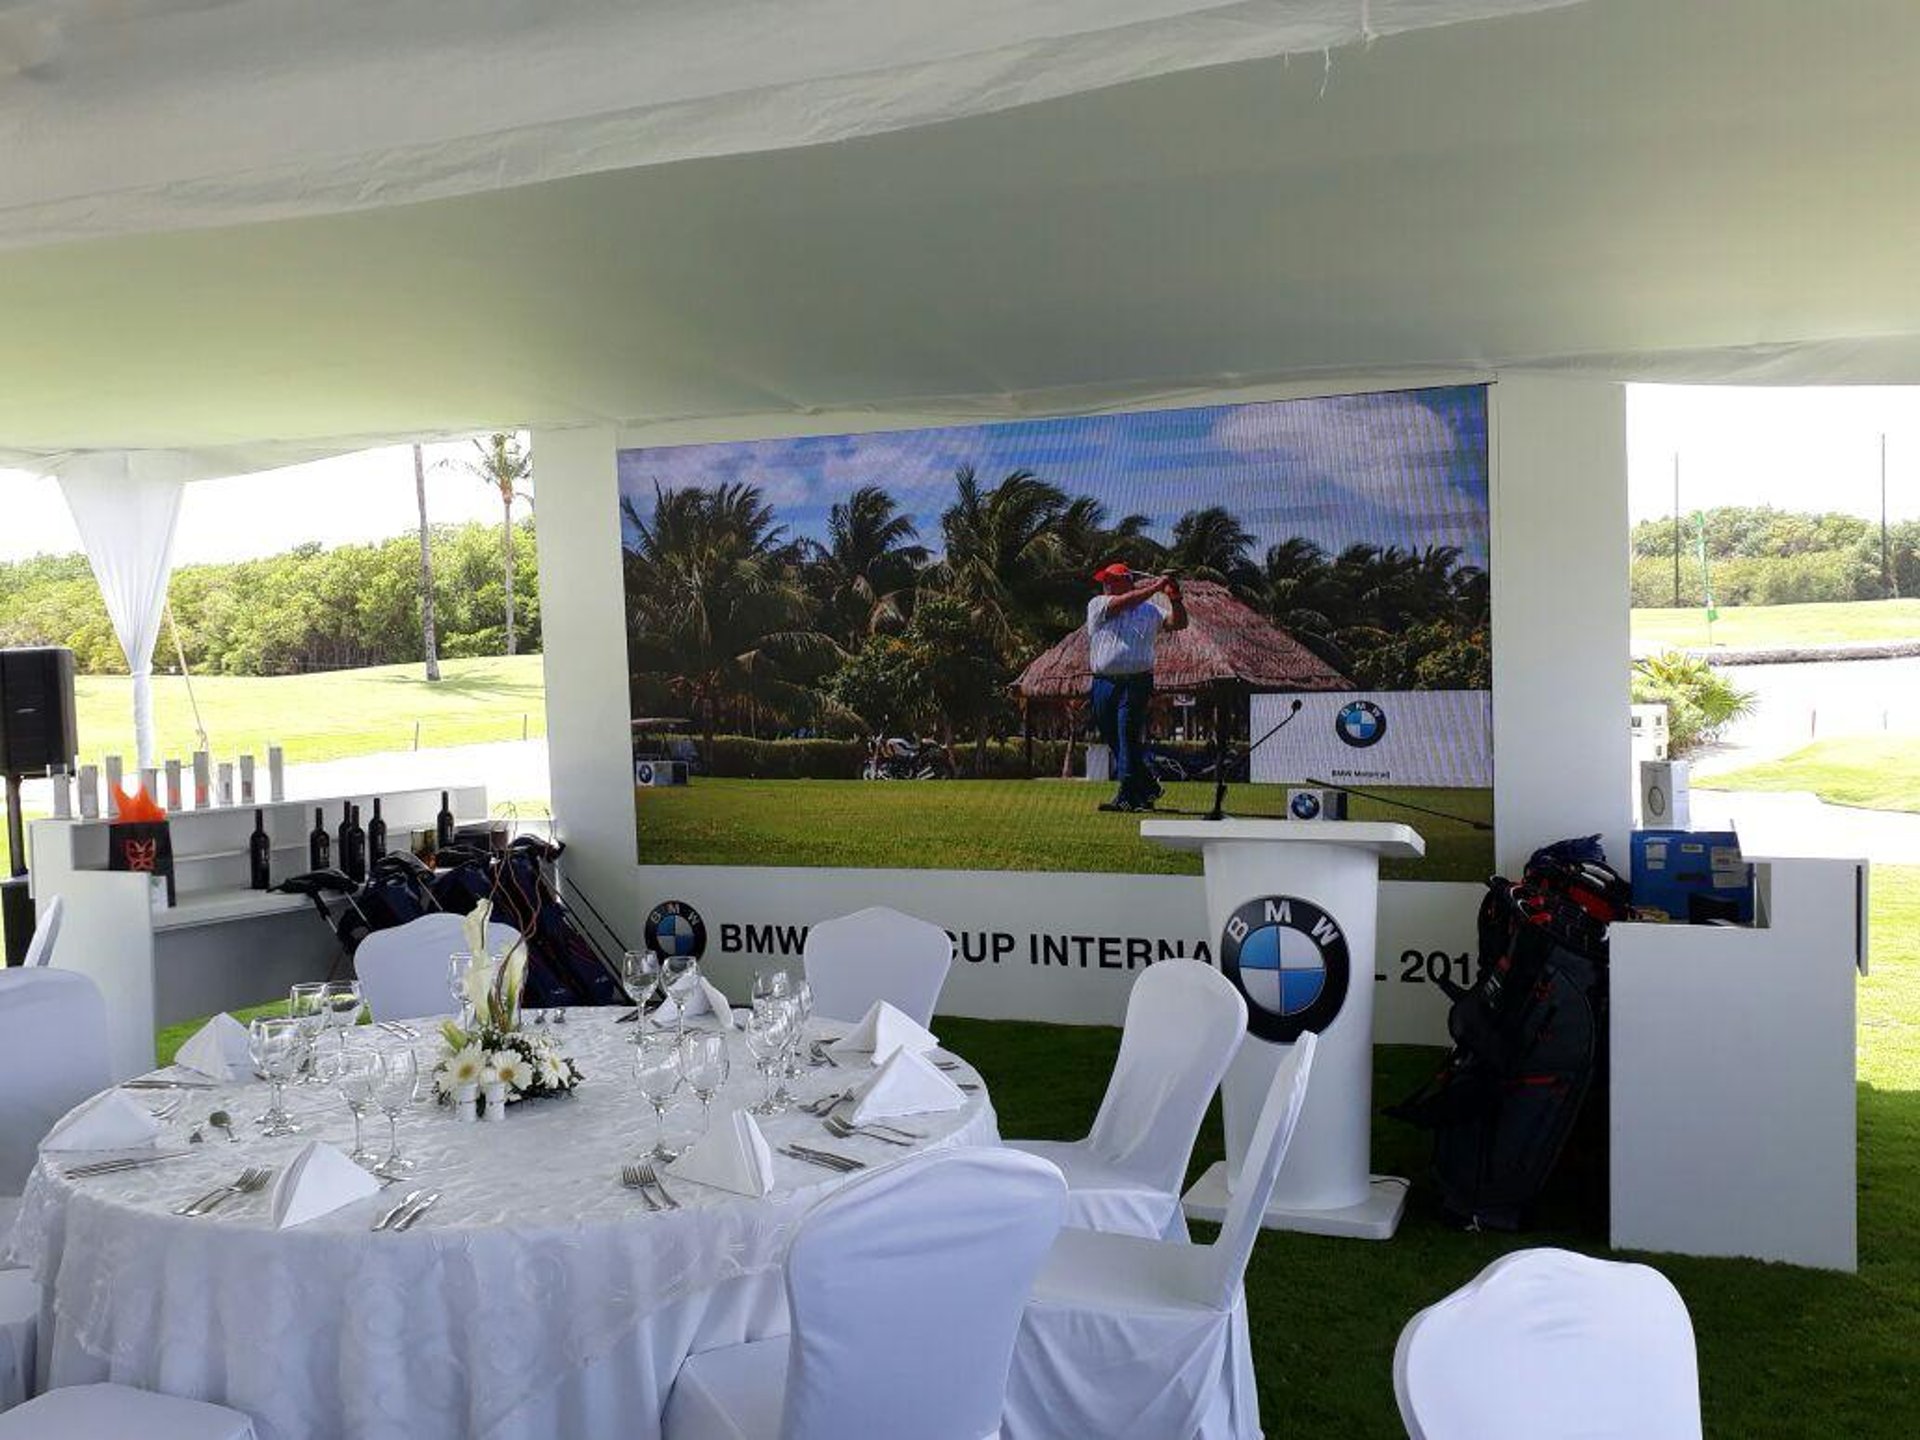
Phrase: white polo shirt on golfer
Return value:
(1122, 644)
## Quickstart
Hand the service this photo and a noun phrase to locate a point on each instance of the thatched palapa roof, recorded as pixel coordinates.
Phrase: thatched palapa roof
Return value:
(1224, 642)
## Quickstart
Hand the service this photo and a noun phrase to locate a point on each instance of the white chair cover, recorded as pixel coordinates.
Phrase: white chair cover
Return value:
(53, 1055)
(40, 947)
(1605, 1349)
(1185, 1021)
(19, 1335)
(906, 1289)
(876, 954)
(1136, 1339)
(403, 970)
(111, 1412)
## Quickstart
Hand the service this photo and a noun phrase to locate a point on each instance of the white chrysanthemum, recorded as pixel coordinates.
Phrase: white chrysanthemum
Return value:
(514, 1068)
(464, 1067)
(553, 1074)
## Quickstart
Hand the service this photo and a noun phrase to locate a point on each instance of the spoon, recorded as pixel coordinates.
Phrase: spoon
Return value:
(222, 1121)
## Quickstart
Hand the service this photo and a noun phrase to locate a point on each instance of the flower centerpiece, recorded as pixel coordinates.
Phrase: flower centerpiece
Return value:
(495, 1048)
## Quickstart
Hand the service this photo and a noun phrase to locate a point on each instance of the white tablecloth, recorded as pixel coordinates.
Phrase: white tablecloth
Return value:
(539, 1298)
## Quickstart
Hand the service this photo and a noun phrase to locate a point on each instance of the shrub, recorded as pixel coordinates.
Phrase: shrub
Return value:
(1699, 699)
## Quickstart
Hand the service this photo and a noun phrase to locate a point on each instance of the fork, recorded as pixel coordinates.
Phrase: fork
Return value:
(630, 1177)
(650, 1178)
(846, 1130)
(826, 1102)
(252, 1180)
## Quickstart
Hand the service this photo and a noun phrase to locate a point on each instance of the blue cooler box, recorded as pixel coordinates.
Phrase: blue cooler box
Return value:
(1691, 876)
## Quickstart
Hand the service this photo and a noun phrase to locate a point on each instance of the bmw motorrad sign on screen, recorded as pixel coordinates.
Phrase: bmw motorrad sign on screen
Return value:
(1391, 738)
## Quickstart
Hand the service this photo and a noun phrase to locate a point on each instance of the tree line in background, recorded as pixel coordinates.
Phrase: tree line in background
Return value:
(307, 609)
(737, 624)
(1758, 555)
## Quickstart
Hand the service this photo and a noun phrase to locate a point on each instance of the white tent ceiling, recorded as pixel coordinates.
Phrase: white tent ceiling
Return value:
(1658, 189)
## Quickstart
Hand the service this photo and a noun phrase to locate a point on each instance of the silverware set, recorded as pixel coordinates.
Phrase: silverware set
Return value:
(822, 1056)
(872, 1130)
(415, 1204)
(160, 1082)
(826, 1159)
(251, 1181)
(646, 1180)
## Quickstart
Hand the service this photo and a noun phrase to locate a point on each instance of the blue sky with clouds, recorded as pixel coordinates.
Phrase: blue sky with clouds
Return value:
(1402, 468)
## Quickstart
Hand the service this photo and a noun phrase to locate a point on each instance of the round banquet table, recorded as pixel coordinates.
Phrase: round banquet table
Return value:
(538, 1298)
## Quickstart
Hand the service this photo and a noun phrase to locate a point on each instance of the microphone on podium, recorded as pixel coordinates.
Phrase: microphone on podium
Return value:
(1218, 812)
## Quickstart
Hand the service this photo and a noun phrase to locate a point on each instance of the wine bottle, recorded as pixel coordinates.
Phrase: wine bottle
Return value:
(376, 834)
(260, 853)
(443, 823)
(319, 848)
(356, 845)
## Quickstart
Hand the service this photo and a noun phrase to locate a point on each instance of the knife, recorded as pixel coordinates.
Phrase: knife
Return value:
(387, 1219)
(111, 1167)
(796, 1154)
(828, 1157)
(157, 1082)
(418, 1210)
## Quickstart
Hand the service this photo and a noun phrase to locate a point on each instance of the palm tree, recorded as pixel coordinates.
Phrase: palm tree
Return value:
(505, 464)
(719, 612)
(865, 572)
(1212, 544)
(1005, 552)
(429, 636)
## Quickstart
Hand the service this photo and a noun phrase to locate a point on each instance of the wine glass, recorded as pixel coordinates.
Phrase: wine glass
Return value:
(356, 1075)
(395, 1089)
(705, 1063)
(306, 1010)
(770, 985)
(459, 964)
(273, 1042)
(639, 974)
(656, 1070)
(342, 1001)
(769, 1028)
(678, 974)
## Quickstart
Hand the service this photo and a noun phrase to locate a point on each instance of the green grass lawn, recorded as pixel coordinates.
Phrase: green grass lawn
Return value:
(1759, 627)
(991, 825)
(1785, 1353)
(327, 715)
(1875, 771)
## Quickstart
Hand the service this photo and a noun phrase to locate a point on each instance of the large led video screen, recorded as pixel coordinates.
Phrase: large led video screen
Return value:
(891, 649)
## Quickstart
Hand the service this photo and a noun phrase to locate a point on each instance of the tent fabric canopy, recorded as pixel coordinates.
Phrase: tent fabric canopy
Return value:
(168, 114)
(1225, 643)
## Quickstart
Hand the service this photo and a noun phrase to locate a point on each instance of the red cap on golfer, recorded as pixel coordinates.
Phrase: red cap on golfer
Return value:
(1113, 571)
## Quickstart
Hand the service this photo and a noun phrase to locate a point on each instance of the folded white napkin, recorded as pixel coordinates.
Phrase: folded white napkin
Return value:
(700, 996)
(906, 1084)
(883, 1030)
(113, 1120)
(733, 1155)
(218, 1049)
(319, 1180)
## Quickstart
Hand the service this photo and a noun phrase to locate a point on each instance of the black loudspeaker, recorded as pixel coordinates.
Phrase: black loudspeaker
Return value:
(37, 727)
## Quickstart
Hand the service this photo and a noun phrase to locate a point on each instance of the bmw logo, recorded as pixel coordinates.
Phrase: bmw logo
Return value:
(1360, 724)
(643, 772)
(1304, 806)
(1288, 957)
(675, 928)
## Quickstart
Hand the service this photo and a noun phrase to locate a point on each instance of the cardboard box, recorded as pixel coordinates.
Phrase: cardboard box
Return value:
(1665, 800)
(1691, 876)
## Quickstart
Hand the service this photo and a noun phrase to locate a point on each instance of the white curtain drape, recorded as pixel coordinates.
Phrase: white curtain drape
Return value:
(125, 506)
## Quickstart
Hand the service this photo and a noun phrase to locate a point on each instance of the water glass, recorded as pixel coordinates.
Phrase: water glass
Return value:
(771, 985)
(398, 1083)
(273, 1042)
(341, 1000)
(458, 965)
(656, 1070)
(639, 974)
(678, 975)
(769, 1030)
(356, 1075)
(705, 1063)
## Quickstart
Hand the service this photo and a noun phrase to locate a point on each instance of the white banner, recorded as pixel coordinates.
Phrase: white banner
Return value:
(1376, 737)
(1057, 947)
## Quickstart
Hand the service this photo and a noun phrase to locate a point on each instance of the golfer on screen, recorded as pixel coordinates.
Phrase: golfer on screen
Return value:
(1122, 624)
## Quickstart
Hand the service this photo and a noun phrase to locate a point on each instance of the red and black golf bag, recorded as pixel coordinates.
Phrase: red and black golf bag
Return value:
(1529, 1038)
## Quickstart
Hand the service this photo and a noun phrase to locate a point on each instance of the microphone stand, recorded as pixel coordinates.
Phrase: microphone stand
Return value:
(1218, 812)
(1403, 805)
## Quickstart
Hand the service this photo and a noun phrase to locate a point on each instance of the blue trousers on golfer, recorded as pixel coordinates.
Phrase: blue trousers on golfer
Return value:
(1120, 714)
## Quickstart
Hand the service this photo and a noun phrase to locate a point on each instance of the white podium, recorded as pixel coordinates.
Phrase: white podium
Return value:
(1292, 907)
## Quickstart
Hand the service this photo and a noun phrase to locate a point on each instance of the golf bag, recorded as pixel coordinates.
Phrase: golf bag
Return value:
(1529, 1038)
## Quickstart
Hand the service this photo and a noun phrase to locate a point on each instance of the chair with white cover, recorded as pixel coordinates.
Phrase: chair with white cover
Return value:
(1599, 1349)
(876, 954)
(97, 1412)
(45, 932)
(1185, 1021)
(1129, 1338)
(403, 969)
(53, 1055)
(905, 1289)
